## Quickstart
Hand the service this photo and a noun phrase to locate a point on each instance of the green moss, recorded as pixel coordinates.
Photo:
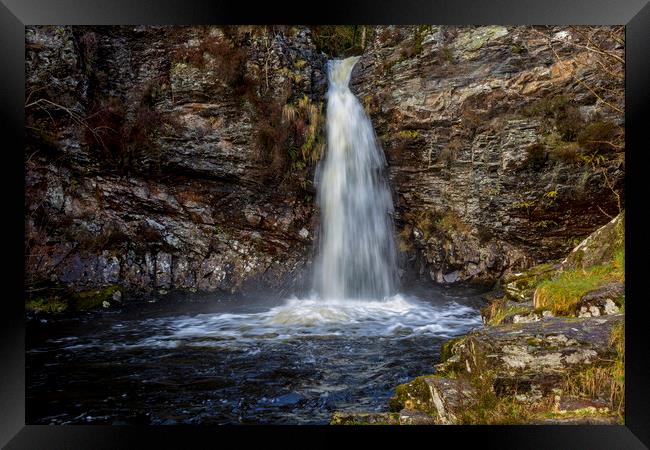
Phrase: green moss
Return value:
(534, 342)
(47, 305)
(544, 224)
(414, 395)
(475, 38)
(93, 299)
(446, 349)
(507, 311)
(409, 134)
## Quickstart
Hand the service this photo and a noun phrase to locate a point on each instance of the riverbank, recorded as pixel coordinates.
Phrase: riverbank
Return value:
(551, 350)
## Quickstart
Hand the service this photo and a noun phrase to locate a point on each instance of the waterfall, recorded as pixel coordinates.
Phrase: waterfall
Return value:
(357, 252)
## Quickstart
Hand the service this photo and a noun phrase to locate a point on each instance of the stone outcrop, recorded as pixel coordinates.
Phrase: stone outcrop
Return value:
(531, 359)
(484, 184)
(599, 247)
(529, 366)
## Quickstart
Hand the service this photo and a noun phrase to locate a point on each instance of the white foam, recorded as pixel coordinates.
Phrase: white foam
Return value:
(393, 317)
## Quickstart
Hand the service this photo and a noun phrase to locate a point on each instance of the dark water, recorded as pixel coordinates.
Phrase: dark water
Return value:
(212, 362)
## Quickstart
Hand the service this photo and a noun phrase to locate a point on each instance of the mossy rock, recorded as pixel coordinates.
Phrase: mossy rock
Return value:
(446, 349)
(599, 247)
(414, 395)
(520, 287)
(94, 298)
(503, 311)
(46, 305)
(364, 418)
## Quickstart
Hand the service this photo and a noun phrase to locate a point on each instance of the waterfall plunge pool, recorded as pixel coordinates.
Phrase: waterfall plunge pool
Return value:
(293, 361)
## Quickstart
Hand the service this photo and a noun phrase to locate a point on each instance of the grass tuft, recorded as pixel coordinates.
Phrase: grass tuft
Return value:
(562, 293)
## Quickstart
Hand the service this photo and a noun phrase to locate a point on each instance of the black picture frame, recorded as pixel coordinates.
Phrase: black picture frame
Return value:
(16, 14)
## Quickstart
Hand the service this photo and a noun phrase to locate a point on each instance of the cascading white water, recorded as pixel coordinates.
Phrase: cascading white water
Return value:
(357, 251)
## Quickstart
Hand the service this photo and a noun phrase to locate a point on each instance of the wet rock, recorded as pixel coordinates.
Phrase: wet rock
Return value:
(117, 296)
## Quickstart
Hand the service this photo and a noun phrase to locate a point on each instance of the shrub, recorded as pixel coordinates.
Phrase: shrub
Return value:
(341, 40)
(536, 154)
(129, 144)
(447, 53)
(598, 136)
(449, 153)
(560, 113)
(225, 57)
(566, 151)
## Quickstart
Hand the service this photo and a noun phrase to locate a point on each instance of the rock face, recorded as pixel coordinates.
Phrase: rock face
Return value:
(151, 158)
(487, 133)
(162, 158)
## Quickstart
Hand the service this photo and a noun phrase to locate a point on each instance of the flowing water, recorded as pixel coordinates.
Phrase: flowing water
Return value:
(209, 362)
(357, 252)
(295, 361)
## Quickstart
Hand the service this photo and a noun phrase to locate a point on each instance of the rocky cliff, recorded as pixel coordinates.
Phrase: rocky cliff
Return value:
(164, 158)
(505, 144)
(158, 158)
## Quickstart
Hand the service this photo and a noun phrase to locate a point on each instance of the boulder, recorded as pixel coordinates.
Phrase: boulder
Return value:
(602, 301)
(449, 397)
(532, 359)
(599, 247)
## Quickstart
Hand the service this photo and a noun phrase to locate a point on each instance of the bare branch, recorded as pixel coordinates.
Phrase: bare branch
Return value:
(562, 63)
(75, 117)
